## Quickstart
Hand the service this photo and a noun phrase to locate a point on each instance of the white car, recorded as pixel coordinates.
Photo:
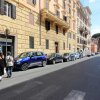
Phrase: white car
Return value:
(77, 55)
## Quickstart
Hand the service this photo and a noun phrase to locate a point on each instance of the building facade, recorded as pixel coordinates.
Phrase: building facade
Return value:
(38, 25)
(94, 47)
(83, 27)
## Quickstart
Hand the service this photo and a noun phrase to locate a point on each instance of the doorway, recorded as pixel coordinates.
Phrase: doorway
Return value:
(10, 44)
(9, 49)
(56, 47)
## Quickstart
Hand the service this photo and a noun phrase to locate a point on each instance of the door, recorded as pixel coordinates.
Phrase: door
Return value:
(9, 49)
(59, 58)
(33, 59)
(39, 57)
(56, 47)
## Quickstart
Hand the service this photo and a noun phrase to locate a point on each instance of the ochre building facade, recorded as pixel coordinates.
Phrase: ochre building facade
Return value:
(38, 25)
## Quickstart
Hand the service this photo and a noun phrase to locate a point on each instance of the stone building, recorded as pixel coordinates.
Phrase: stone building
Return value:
(83, 27)
(38, 25)
(94, 46)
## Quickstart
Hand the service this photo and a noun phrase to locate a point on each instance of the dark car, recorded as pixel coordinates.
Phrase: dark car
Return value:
(54, 58)
(29, 59)
(66, 57)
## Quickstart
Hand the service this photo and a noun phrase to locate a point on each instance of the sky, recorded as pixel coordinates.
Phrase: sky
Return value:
(95, 17)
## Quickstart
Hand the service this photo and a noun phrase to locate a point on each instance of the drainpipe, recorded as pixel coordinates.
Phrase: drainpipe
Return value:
(40, 21)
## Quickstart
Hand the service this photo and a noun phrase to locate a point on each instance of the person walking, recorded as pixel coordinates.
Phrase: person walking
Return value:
(2, 65)
(9, 64)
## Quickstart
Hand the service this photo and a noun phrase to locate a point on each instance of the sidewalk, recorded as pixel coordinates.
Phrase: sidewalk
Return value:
(22, 76)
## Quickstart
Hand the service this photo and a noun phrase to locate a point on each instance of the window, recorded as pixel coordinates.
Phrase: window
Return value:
(64, 18)
(64, 45)
(69, 35)
(47, 25)
(57, 13)
(69, 11)
(64, 32)
(47, 44)
(34, 2)
(31, 2)
(78, 40)
(69, 46)
(31, 18)
(56, 29)
(31, 42)
(47, 4)
(69, 1)
(74, 36)
(73, 4)
(7, 9)
(64, 5)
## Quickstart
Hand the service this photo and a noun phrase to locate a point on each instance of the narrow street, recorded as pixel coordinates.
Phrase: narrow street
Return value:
(77, 82)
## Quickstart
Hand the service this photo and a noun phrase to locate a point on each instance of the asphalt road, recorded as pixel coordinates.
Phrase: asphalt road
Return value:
(77, 82)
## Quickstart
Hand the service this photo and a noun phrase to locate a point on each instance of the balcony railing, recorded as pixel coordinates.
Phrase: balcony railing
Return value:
(46, 14)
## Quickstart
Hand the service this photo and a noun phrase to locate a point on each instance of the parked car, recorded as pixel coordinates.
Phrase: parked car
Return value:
(72, 57)
(29, 59)
(81, 54)
(66, 57)
(97, 53)
(92, 54)
(54, 58)
(77, 55)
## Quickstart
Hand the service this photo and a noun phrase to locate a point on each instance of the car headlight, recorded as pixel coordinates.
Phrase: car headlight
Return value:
(18, 61)
(51, 58)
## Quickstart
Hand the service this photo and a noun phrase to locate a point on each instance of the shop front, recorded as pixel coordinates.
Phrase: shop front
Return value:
(9, 43)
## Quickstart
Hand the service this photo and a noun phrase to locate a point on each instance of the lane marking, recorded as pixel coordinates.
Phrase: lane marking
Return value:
(75, 95)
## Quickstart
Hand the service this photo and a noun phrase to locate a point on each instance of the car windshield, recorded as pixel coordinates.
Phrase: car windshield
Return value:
(52, 55)
(23, 55)
(66, 54)
(72, 54)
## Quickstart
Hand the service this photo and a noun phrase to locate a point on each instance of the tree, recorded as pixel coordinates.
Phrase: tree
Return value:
(97, 36)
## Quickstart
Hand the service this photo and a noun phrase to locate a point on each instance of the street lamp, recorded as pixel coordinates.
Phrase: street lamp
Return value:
(7, 32)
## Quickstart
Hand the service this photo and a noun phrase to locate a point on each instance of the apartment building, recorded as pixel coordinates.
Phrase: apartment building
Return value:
(83, 27)
(38, 25)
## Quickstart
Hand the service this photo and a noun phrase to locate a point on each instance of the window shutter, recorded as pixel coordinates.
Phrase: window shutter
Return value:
(2, 7)
(31, 42)
(47, 25)
(47, 44)
(13, 13)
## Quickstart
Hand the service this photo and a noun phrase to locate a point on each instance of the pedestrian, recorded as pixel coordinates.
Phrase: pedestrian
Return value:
(9, 64)
(2, 65)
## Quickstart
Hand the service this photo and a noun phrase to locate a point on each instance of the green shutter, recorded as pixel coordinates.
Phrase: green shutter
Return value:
(2, 7)
(13, 12)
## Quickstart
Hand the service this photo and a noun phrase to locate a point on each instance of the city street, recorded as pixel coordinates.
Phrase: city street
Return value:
(80, 81)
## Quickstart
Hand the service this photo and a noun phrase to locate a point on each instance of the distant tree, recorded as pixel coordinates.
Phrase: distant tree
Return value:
(97, 36)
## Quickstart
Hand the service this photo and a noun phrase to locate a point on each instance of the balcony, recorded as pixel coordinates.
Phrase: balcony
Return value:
(81, 29)
(46, 14)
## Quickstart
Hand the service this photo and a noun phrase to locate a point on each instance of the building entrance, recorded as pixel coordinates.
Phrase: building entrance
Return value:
(10, 44)
(56, 47)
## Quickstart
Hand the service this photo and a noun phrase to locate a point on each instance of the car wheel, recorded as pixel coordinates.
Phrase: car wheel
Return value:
(67, 60)
(44, 63)
(53, 62)
(24, 67)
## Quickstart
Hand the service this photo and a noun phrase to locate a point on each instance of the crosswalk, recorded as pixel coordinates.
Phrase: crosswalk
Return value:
(75, 95)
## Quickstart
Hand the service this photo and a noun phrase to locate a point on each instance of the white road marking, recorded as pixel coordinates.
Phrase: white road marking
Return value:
(75, 95)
